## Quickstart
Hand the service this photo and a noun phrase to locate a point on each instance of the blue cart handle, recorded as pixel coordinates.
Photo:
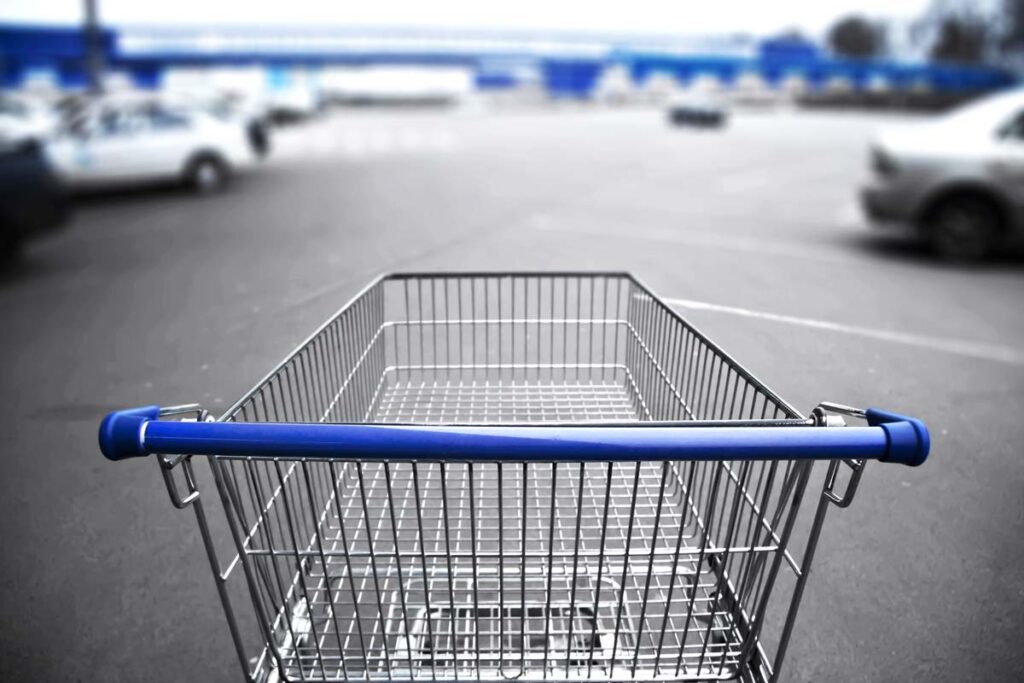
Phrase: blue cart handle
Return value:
(889, 438)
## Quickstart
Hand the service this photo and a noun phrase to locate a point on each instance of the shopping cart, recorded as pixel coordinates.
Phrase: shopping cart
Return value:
(486, 477)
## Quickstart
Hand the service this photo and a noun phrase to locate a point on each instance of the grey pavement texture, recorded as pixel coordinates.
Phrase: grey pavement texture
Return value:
(159, 296)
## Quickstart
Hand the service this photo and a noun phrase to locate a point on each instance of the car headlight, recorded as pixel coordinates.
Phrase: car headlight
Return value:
(883, 164)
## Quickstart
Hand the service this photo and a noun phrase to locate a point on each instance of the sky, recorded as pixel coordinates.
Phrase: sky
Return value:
(652, 17)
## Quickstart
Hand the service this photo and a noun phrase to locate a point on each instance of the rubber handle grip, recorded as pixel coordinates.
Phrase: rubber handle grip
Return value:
(135, 433)
(121, 432)
(909, 441)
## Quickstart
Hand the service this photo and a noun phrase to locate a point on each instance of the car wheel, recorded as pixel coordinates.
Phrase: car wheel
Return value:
(963, 228)
(208, 174)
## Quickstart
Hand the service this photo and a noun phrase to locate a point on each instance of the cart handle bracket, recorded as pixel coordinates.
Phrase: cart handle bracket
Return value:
(908, 439)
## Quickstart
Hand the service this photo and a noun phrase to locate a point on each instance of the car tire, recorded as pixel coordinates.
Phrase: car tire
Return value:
(207, 174)
(963, 228)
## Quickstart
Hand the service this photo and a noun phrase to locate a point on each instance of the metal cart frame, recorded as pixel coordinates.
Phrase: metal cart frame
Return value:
(479, 476)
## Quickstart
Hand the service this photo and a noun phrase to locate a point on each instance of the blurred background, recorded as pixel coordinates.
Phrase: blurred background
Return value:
(832, 190)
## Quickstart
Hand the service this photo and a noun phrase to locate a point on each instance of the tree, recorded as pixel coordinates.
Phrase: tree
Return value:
(1011, 30)
(1012, 23)
(857, 37)
(958, 31)
(961, 39)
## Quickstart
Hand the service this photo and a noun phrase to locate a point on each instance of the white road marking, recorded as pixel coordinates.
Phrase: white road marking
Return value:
(360, 144)
(962, 347)
(751, 245)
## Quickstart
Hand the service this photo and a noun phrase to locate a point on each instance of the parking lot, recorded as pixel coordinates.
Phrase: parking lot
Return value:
(752, 232)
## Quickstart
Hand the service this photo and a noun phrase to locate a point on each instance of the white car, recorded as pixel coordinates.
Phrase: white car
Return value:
(956, 180)
(118, 144)
(228, 106)
(291, 104)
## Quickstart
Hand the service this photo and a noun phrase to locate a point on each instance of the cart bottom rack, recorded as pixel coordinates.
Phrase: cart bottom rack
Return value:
(611, 574)
(535, 476)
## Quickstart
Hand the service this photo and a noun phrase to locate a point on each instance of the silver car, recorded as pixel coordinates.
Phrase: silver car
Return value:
(957, 180)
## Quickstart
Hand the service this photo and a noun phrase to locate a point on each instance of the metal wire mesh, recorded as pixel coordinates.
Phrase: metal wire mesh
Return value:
(494, 570)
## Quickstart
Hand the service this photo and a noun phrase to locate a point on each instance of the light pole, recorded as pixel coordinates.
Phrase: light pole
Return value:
(93, 47)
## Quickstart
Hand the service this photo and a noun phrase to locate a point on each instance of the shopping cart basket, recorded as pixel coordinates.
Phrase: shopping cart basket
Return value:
(533, 476)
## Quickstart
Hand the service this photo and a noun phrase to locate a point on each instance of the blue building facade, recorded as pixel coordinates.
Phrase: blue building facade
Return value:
(54, 52)
(567, 68)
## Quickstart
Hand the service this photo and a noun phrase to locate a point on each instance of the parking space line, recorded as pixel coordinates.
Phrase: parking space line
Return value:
(364, 144)
(749, 245)
(961, 347)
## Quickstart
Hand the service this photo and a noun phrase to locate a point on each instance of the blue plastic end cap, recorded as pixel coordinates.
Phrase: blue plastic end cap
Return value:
(119, 432)
(909, 442)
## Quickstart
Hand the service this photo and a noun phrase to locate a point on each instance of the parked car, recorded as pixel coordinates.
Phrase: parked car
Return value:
(32, 200)
(111, 144)
(291, 105)
(702, 109)
(229, 106)
(956, 181)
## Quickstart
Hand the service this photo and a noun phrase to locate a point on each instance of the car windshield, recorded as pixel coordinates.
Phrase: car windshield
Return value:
(165, 117)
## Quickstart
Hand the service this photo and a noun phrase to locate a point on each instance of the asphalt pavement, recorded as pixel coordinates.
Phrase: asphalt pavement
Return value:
(159, 296)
